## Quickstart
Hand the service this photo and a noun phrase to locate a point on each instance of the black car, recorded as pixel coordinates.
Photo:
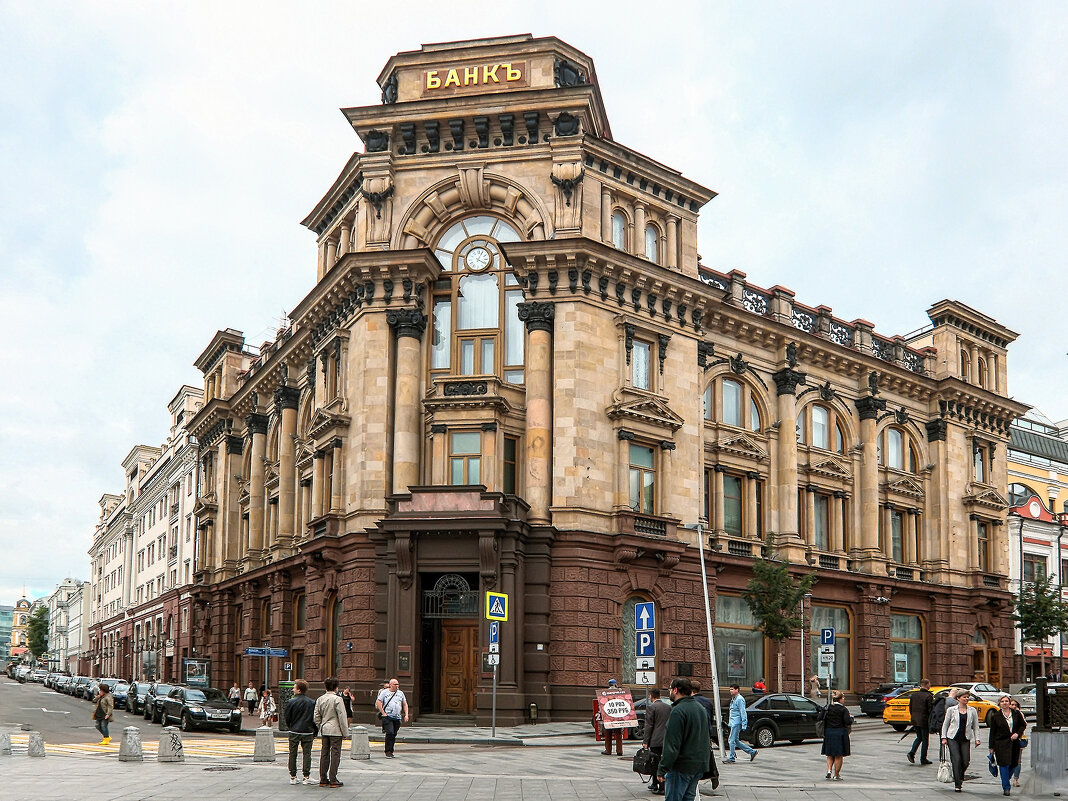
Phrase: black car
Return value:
(137, 695)
(639, 710)
(77, 686)
(873, 702)
(196, 707)
(153, 703)
(779, 716)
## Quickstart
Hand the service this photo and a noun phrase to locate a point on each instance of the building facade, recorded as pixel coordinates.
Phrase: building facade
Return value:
(142, 558)
(1037, 524)
(513, 374)
(7, 616)
(67, 625)
(20, 637)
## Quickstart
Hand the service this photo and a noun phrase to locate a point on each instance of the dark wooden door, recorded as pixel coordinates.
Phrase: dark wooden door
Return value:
(459, 666)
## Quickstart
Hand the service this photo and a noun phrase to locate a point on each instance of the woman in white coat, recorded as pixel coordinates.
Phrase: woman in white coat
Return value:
(959, 730)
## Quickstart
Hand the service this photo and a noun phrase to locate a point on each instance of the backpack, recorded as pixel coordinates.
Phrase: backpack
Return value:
(938, 715)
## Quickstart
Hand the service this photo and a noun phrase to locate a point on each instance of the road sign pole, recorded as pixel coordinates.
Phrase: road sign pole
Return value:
(711, 645)
(493, 714)
(266, 663)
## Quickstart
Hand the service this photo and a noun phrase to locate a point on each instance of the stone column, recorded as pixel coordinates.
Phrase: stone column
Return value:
(257, 428)
(606, 215)
(229, 519)
(671, 259)
(752, 526)
(867, 545)
(838, 521)
(539, 319)
(331, 252)
(490, 473)
(318, 480)
(718, 517)
(439, 454)
(786, 382)
(343, 243)
(286, 400)
(810, 517)
(639, 229)
(408, 325)
(336, 461)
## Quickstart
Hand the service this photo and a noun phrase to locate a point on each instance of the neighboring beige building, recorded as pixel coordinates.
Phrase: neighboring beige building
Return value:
(512, 374)
(68, 630)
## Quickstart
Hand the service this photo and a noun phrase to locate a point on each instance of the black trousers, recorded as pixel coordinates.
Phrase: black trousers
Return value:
(960, 754)
(390, 727)
(922, 735)
(659, 751)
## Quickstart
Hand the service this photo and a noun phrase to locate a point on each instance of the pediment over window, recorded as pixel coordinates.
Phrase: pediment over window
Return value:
(325, 423)
(987, 498)
(830, 468)
(740, 445)
(906, 486)
(649, 410)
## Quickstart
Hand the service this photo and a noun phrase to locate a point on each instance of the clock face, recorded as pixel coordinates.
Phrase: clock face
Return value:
(478, 258)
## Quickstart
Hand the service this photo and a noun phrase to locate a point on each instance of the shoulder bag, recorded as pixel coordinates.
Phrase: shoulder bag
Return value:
(385, 703)
(821, 723)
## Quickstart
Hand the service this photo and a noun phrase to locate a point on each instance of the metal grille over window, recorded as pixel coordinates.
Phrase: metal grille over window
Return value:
(451, 597)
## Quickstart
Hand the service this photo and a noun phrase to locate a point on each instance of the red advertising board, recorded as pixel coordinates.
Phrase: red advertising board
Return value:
(616, 708)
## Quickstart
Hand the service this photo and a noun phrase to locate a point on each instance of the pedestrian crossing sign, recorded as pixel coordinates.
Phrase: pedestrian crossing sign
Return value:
(497, 606)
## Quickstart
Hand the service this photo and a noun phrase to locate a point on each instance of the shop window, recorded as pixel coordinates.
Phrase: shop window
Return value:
(739, 643)
(629, 639)
(906, 648)
(642, 479)
(836, 617)
(465, 457)
(652, 243)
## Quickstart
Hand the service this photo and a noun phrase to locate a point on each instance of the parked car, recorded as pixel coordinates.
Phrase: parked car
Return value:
(119, 691)
(195, 708)
(873, 702)
(21, 672)
(38, 675)
(61, 683)
(897, 715)
(1026, 697)
(153, 705)
(639, 710)
(980, 689)
(780, 716)
(90, 689)
(136, 696)
(77, 686)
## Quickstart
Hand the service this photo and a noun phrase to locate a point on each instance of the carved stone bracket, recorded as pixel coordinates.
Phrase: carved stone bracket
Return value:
(487, 559)
(403, 548)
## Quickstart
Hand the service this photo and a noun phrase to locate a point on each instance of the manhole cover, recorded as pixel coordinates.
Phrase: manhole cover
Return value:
(223, 767)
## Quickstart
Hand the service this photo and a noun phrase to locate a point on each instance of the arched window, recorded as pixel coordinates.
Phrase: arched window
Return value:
(820, 427)
(652, 243)
(981, 372)
(965, 365)
(1018, 493)
(300, 612)
(732, 402)
(619, 230)
(630, 653)
(896, 450)
(476, 328)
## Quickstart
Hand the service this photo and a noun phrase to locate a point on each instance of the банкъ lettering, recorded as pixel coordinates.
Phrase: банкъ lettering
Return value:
(474, 76)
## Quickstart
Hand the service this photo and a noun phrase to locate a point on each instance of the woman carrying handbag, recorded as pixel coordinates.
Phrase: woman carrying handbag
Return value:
(959, 729)
(1005, 732)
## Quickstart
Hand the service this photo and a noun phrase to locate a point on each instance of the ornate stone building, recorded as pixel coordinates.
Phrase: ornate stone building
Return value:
(513, 374)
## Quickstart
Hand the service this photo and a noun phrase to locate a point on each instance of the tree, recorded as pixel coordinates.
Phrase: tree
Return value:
(1040, 613)
(38, 631)
(774, 596)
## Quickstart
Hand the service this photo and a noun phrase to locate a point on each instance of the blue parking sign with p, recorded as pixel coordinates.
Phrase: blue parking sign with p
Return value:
(495, 631)
(645, 643)
(826, 636)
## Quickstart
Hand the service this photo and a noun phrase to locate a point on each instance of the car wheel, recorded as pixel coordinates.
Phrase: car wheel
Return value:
(235, 728)
(764, 737)
(898, 726)
(159, 716)
(874, 714)
(990, 717)
(187, 723)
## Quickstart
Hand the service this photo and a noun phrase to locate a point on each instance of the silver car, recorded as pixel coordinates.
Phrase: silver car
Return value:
(1025, 697)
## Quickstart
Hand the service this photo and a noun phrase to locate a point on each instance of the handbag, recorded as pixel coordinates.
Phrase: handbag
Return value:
(712, 774)
(945, 770)
(991, 765)
(645, 762)
(821, 725)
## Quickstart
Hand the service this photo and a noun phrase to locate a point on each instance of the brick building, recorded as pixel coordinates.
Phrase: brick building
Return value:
(513, 374)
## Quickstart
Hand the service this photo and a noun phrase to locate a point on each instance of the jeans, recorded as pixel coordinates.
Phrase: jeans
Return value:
(305, 742)
(920, 742)
(102, 727)
(330, 758)
(680, 786)
(1006, 776)
(960, 754)
(390, 727)
(735, 741)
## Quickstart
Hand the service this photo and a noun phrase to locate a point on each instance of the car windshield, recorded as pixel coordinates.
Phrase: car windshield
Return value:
(208, 694)
(121, 688)
(162, 689)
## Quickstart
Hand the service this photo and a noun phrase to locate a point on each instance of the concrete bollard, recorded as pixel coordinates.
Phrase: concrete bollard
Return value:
(37, 746)
(130, 747)
(264, 745)
(170, 745)
(361, 746)
(5, 743)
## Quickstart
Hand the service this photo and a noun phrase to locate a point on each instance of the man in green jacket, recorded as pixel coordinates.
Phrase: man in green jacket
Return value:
(686, 744)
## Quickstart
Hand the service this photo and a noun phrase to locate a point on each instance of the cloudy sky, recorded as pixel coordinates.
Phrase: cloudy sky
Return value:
(156, 159)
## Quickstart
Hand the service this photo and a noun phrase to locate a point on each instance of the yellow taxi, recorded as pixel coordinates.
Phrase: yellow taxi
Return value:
(896, 713)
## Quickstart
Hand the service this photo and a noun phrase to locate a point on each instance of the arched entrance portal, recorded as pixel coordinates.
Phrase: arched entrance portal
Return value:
(986, 660)
(450, 643)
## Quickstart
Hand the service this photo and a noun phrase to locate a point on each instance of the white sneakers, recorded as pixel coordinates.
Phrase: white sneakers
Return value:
(308, 780)
(293, 780)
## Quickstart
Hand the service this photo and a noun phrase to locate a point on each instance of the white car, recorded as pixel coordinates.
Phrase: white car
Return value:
(1025, 697)
(980, 689)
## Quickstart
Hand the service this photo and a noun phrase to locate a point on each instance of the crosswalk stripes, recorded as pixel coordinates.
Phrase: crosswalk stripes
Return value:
(208, 748)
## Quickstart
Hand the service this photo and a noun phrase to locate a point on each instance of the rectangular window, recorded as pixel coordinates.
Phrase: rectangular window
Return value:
(511, 464)
(1034, 567)
(465, 450)
(897, 548)
(732, 504)
(642, 479)
(821, 536)
(300, 616)
(980, 464)
(514, 335)
(983, 546)
(732, 403)
(639, 364)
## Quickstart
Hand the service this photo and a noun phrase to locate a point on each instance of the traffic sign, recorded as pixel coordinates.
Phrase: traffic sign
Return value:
(495, 648)
(645, 643)
(287, 666)
(827, 636)
(497, 606)
(827, 659)
(495, 631)
(826, 649)
(644, 663)
(256, 652)
(644, 616)
(645, 677)
(277, 652)
(493, 659)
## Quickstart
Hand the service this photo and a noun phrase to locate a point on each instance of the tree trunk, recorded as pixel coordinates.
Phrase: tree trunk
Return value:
(778, 665)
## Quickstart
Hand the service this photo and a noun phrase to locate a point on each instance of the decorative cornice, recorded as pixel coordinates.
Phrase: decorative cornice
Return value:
(234, 444)
(407, 322)
(538, 316)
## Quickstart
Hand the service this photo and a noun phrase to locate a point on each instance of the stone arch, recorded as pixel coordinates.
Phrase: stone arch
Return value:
(471, 190)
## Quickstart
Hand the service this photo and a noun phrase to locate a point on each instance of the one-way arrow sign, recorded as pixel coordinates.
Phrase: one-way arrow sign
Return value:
(644, 618)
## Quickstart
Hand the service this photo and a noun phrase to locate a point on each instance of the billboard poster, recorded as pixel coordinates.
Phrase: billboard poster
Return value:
(616, 708)
(197, 672)
(901, 667)
(735, 660)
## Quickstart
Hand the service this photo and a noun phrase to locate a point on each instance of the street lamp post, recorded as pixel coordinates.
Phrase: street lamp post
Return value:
(804, 635)
(711, 644)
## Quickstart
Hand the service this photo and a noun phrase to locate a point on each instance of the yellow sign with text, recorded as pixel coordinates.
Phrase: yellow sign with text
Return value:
(497, 606)
(450, 80)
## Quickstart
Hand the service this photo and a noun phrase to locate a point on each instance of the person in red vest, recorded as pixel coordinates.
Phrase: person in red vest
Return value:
(759, 686)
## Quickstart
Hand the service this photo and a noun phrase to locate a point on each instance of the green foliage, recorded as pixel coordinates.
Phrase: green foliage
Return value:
(774, 597)
(37, 629)
(1040, 612)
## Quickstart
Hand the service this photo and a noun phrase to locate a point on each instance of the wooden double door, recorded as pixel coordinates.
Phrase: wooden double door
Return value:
(460, 666)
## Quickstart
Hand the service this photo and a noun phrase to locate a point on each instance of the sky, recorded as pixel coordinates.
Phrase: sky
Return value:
(156, 160)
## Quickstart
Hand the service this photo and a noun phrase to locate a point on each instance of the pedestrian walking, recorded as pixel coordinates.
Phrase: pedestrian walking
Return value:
(102, 710)
(738, 719)
(1005, 732)
(920, 703)
(611, 736)
(393, 707)
(300, 718)
(959, 729)
(656, 718)
(330, 717)
(268, 709)
(704, 702)
(251, 697)
(686, 744)
(836, 723)
(234, 695)
(1023, 744)
(814, 686)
